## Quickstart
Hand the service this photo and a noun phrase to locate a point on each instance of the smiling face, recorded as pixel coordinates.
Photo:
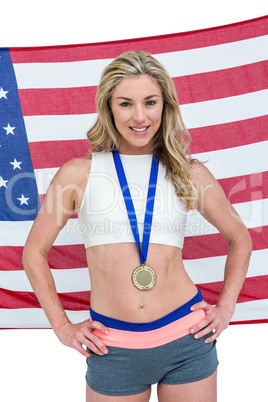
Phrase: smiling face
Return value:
(137, 105)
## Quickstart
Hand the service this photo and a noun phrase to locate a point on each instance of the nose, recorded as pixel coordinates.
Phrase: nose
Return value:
(139, 115)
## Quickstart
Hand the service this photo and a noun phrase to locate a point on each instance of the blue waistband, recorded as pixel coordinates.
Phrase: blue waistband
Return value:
(147, 326)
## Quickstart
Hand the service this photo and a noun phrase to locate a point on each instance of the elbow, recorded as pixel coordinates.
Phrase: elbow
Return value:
(243, 241)
(26, 258)
(247, 241)
(31, 259)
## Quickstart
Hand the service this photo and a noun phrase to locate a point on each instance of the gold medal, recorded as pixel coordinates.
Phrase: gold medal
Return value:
(144, 277)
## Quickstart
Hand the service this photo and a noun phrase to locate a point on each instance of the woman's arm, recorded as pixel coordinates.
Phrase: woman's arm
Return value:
(63, 197)
(216, 209)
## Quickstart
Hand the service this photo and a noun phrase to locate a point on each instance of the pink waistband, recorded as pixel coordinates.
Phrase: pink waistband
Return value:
(153, 338)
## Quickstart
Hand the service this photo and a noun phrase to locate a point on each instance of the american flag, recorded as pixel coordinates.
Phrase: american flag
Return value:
(47, 104)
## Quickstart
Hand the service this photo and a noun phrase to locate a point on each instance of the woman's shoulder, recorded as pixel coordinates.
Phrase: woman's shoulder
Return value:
(77, 164)
(75, 170)
(200, 174)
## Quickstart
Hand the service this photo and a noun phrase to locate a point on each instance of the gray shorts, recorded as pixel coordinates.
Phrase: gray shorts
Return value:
(132, 371)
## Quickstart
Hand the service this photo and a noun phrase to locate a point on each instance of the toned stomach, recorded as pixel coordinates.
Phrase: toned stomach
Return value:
(113, 293)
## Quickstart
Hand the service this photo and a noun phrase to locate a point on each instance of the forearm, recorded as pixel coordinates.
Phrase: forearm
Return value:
(235, 271)
(42, 282)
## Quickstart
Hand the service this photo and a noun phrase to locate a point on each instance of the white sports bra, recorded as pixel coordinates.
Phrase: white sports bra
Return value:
(103, 217)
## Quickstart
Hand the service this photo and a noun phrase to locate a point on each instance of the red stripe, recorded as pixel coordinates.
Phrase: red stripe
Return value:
(264, 321)
(70, 301)
(50, 154)
(59, 257)
(75, 301)
(64, 257)
(155, 44)
(255, 288)
(74, 256)
(229, 135)
(63, 101)
(190, 89)
(246, 188)
(222, 83)
(11, 258)
(205, 246)
(47, 154)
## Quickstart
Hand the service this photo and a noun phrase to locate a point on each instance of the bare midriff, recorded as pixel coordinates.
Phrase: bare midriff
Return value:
(113, 293)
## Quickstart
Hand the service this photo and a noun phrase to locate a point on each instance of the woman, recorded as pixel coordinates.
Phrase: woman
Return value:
(148, 322)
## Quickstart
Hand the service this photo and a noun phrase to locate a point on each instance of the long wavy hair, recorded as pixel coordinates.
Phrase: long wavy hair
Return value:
(172, 138)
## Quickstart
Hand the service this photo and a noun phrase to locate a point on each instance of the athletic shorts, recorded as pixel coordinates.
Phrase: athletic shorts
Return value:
(142, 354)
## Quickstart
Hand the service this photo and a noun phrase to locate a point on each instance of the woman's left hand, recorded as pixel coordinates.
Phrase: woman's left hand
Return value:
(217, 319)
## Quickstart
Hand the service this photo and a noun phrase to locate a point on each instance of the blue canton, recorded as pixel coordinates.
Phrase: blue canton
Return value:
(19, 199)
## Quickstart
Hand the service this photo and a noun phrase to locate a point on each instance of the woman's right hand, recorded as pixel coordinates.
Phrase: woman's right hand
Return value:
(76, 335)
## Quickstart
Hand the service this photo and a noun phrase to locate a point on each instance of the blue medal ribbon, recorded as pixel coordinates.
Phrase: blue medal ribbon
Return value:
(130, 207)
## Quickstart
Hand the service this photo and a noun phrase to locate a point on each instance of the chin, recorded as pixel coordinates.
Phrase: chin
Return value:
(139, 146)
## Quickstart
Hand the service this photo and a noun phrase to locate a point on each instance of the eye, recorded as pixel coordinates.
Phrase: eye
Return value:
(125, 104)
(150, 103)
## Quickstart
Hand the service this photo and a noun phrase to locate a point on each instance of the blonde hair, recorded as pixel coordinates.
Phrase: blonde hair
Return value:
(172, 138)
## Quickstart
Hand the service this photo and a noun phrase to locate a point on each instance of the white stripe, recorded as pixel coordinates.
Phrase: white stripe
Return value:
(213, 58)
(225, 110)
(60, 75)
(34, 318)
(199, 114)
(253, 213)
(16, 233)
(43, 178)
(237, 161)
(208, 270)
(66, 280)
(185, 62)
(58, 128)
(253, 310)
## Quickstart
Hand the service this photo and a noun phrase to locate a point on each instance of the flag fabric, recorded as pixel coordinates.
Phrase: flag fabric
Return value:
(47, 104)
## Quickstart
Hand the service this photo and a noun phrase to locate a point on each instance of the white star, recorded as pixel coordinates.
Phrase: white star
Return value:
(3, 182)
(9, 129)
(3, 93)
(23, 200)
(16, 164)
